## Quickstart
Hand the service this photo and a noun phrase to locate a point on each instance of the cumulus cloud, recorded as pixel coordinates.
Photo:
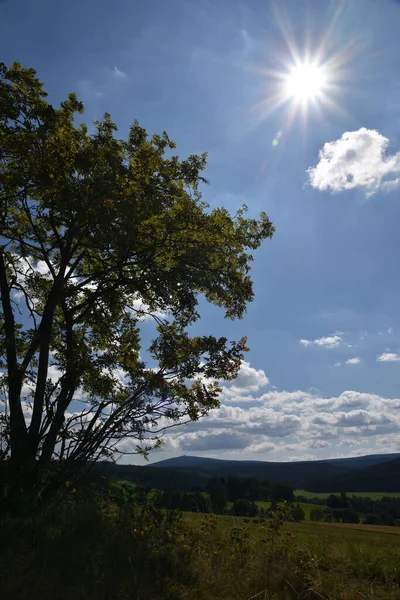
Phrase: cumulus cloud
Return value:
(353, 361)
(304, 457)
(388, 357)
(261, 448)
(219, 439)
(279, 422)
(250, 379)
(348, 442)
(359, 159)
(331, 341)
(318, 444)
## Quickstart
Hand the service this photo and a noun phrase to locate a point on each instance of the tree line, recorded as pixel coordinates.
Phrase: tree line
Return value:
(353, 509)
(240, 492)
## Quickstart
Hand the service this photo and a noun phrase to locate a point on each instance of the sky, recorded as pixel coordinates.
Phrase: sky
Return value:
(297, 104)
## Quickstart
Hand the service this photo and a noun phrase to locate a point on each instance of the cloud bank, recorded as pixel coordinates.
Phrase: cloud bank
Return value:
(282, 425)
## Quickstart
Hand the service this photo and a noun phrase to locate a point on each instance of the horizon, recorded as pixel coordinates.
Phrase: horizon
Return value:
(394, 454)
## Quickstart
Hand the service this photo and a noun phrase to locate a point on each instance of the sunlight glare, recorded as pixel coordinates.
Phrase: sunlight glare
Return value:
(305, 82)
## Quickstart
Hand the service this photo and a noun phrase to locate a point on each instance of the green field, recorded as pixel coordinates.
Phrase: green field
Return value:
(304, 505)
(372, 495)
(345, 561)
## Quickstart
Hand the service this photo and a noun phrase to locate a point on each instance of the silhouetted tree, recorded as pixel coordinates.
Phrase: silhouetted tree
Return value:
(98, 233)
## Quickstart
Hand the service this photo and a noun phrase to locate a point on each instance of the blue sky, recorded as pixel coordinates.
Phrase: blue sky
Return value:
(327, 286)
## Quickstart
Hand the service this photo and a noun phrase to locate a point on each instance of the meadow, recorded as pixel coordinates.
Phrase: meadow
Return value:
(336, 561)
(324, 495)
(306, 506)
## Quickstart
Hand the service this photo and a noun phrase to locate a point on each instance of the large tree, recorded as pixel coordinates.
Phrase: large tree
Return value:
(98, 233)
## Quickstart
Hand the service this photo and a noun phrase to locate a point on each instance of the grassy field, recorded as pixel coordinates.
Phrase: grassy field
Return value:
(372, 495)
(345, 561)
(308, 508)
(304, 505)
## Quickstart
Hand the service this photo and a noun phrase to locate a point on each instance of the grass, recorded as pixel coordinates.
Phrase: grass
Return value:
(347, 561)
(372, 495)
(98, 547)
(304, 505)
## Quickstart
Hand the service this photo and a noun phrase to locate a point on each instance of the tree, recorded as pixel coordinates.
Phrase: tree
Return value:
(337, 502)
(346, 515)
(218, 491)
(280, 492)
(298, 513)
(244, 508)
(317, 514)
(98, 234)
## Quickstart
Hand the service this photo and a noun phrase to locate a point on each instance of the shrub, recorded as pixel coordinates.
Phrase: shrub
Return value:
(90, 546)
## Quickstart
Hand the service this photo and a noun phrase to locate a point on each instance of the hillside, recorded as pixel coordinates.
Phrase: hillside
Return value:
(382, 477)
(356, 462)
(380, 473)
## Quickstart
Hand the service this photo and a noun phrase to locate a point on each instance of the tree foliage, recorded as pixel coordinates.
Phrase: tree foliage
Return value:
(298, 513)
(97, 234)
(244, 508)
(218, 491)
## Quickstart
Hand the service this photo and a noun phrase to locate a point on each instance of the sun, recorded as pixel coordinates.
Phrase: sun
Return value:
(305, 82)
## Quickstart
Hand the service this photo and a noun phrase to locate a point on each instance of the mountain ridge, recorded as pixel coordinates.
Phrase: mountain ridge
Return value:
(369, 473)
(185, 460)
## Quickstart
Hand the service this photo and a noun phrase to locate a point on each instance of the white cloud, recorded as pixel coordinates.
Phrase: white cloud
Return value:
(331, 341)
(353, 361)
(388, 357)
(141, 311)
(241, 389)
(318, 444)
(303, 457)
(118, 74)
(358, 159)
(349, 442)
(250, 379)
(283, 423)
(261, 448)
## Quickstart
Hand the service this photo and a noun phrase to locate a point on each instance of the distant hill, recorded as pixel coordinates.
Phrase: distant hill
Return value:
(354, 462)
(187, 461)
(379, 472)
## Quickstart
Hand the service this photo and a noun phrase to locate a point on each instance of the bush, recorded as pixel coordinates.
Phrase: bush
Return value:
(346, 516)
(90, 546)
